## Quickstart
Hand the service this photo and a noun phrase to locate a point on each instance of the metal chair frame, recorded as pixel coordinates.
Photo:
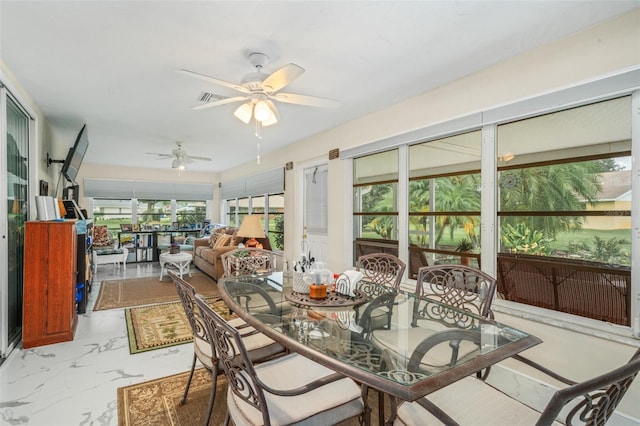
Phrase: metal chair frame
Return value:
(599, 396)
(246, 261)
(234, 359)
(463, 287)
(188, 297)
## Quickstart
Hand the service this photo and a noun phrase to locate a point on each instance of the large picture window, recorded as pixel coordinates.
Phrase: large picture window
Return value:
(561, 187)
(564, 212)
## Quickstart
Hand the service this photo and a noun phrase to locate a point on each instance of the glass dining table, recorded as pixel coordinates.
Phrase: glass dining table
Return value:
(394, 342)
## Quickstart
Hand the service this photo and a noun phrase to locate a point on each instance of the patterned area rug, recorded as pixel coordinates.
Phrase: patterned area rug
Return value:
(163, 325)
(157, 402)
(146, 291)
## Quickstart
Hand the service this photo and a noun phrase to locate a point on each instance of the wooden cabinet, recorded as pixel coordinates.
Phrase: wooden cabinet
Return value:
(50, 269)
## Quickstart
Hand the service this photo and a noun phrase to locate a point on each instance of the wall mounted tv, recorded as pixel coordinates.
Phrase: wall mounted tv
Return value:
(76, 154)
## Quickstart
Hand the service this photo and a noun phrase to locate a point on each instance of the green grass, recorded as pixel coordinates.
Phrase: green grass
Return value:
(586, 236)
(561, 242)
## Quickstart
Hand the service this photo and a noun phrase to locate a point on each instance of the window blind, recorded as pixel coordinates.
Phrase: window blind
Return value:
(147, 190)
(269, 182)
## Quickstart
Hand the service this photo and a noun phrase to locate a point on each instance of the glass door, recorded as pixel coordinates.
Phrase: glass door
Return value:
(17, 191)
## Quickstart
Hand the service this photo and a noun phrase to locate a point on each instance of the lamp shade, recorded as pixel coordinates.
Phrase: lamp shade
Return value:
(262, 112)
(244, 112)
(251, 227)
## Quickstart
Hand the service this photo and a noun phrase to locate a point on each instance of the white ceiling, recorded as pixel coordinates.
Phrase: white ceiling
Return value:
(112, 64)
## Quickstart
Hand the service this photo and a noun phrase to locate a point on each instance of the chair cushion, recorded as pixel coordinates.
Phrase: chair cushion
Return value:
(329, 404)
(104, 252)
(258, 345)
(470, 401)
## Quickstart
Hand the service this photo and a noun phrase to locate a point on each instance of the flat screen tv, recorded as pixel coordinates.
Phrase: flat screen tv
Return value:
(76, 154)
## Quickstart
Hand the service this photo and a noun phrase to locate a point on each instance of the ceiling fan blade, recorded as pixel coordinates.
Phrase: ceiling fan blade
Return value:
(293, 98)
(213, 80)
(199, 158)
(218, 103)
(281, 77)
(160, 155)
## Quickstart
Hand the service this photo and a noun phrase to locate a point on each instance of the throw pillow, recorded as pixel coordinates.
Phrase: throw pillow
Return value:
(100, 235)
(212, 239)
(222, 240)
(235, 240)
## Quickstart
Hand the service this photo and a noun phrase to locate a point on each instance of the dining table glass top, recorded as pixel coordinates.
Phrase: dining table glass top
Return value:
(394, 341)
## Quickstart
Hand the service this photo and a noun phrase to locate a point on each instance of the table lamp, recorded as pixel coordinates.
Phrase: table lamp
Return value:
(251, 228)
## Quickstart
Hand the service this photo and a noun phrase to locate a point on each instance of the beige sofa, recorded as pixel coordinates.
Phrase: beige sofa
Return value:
(207, 251)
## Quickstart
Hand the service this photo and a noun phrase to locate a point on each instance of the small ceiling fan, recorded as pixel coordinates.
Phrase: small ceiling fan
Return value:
(180, 157)
(259, 90)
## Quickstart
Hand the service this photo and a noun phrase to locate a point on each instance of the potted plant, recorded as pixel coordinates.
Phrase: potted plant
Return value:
(465, 245)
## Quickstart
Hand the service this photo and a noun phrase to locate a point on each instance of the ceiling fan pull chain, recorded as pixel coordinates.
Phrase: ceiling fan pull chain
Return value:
(258, 133)
(258, 153)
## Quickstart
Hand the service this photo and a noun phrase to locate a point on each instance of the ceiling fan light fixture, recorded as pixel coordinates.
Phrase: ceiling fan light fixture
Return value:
(262, 112)
(244, 112)
(179, 163)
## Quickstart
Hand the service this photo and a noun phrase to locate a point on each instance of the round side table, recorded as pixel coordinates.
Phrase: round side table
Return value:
(180, 261)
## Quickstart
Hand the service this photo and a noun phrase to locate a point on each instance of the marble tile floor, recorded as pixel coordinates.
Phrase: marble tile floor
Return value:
(75, 383)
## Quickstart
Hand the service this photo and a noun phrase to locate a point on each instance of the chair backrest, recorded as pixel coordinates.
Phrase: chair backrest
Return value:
(460, 286)
(599, 396)
(187, 294)
(246, 261)
(234, 359)
(382, 269)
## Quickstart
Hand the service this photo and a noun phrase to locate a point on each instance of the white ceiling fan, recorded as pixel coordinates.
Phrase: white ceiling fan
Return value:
(180, 157)
(259, 90)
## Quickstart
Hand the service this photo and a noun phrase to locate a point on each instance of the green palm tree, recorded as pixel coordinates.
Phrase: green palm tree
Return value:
(457, 194)
(419, 202)
(560, 187)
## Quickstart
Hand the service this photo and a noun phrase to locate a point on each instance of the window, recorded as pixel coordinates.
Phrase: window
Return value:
(565, 211)
(192, 212)
(270, 207)
(112, 213)
(570, 191)
(261, 194)
(562, 228)
(276, 221)
(153, 212)
(375, 196)
(444, 201)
